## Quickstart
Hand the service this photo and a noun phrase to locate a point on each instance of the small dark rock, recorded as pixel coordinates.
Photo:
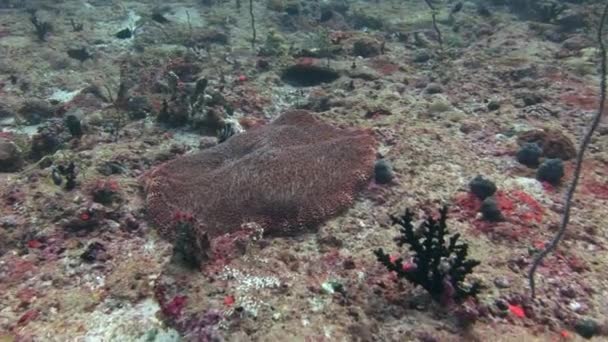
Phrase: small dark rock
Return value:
(138, 107)
(93, 252)
(422, 57)
(531, 99)
(433, 88)
(262, 64)
(587, 328)
(6, 111)
(490, 210)
(493, 105)
(572, 20)
(81, 54)
(502, 304)
(483, 10)
(10, 156)
(529, 154)
(577, 42)
(159, 17)
(502, 282)
(304, 75)
(551, 171)
(35, 111)
(383, 172)
(367, 47)
(482, 187)
(213, 37)
(72, 122)
(124, 34)
(467, 127)
(349, 264)
(131, 223)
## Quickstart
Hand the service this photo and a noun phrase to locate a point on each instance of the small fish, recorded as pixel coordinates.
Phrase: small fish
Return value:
(456, 8)
(80, 54)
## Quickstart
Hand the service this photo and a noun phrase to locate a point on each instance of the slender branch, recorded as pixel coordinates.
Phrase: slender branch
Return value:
(189, 26)
(579, 159)
(434, 16)
(253, 38)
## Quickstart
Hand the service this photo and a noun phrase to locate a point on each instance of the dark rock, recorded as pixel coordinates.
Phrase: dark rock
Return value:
(530, 99)
(10, 156)
(529, 154)
(482, 187)
(551, 171)
(35, 111)
(467, 127)
(383, 172)
(139, 107)
(490, 210)
(307, 75)
(587, 328)
(72, 123)
(49, 138)
(361, 19)
(502, 304)
(9, 221)
(493, 105)
(572, 20)
(111, 168)
(93, 252)
(367, 47)
(262, 64)
(502, 282)
(124, 33)
(6, 111)
(81, 54)
(214, 37)
(422, 56)
(577, 42)
(433, 88)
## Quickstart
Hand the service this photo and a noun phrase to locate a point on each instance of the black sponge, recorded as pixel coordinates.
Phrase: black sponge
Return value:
(383, 172)
(482, 187)
(529, 154)
(551, 171)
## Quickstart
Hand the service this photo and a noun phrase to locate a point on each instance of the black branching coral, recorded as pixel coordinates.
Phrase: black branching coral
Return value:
(439, 266)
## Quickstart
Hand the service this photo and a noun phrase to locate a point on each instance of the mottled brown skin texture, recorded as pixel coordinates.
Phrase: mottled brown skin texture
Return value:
(554, 143)
(287, 176)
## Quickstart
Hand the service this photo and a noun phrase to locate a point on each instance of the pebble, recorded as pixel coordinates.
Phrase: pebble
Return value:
(493, 105)
(9, 221)
(467, 127)
(502, 282)
(434, 88)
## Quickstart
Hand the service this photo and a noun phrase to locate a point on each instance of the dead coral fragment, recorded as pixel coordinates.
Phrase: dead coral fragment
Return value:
(438, 268)
(288, 175)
